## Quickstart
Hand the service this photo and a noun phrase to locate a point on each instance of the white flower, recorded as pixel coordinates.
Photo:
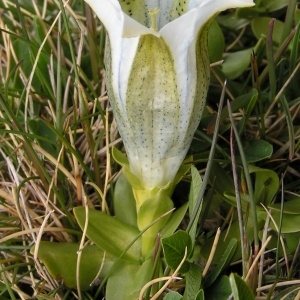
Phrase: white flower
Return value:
(157, 77)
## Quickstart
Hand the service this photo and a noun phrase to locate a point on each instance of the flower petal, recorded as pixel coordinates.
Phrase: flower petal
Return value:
(182, 37)
(158, 81)
(120, 54)
(117, 22)
(152, 107)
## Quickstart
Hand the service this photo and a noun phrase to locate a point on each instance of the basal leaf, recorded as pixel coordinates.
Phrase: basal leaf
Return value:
(291, 241)
(60, 260)
(109, 234)
(260, 27)
(258, 150)
(240, 289)
(273, 5)
(236, 63)
(174, 249)
(200, 295)
(173, 296)
(241, 102)
(223, 263)
(290, 223)
(266, 184)
(289, 207)
(220, 289)
(224, 182)
(216, 42)
(44, 135)
(193, 282)
(127, 280)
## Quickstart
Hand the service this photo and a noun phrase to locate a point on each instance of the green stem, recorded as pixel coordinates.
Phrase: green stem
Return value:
(247, 177)
(289, 19)
(238, 205)
(209, 163)
(279, 228)
(91, 38)
(270, 59)
(7, 283)
(59, 108)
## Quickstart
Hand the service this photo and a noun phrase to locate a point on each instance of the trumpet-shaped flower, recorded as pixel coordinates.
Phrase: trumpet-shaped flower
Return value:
(157, 77)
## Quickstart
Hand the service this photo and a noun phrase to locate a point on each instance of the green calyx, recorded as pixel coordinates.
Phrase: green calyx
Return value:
(154, 206)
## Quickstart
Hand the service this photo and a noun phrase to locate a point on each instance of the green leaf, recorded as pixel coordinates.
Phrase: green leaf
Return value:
(253, 97)
(174, 249)
(223, 263)
(289, 293)
(193, 282)
(273, 5)
(44, 135)
(290, 127)
(124, 202)
(291, 241)
(216, 42)
(265, 188)
(231, 199)
(152, 210)
(261, 7)
(174, 221)
(260, 26)
(258, 150)
(184, 168)
(109, 234)
(122, 160)
(119, 157)
(173, 296)
(224, 182)
(219, 290)
(290, 223)
(245, 102)
(233, 232)
(193, 197)
(127, 280)
(266, 184)
(240, 289)
(200, 295)
(289, 207)
(60, 260)
(236, 63)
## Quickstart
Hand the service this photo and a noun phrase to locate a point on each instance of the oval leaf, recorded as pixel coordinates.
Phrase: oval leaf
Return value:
(258, 150)
(224, 262)
(60, 260)
(174, 249)
(173, 296)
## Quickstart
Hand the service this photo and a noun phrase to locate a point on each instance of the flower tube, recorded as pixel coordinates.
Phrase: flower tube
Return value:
(157, 77)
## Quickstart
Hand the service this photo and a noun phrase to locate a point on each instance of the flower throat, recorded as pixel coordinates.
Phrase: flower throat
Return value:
(153, 12)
